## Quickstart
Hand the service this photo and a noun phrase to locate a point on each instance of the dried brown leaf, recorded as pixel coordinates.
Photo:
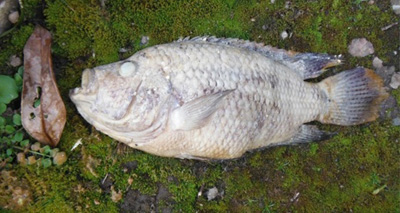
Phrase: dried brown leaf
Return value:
(43, 112)
(115, 196)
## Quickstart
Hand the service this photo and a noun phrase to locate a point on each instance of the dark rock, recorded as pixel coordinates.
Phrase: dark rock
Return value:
(164, 201)
(134, 201)
(389, 108)
(386, 73)
(106, 184)
(130, 166)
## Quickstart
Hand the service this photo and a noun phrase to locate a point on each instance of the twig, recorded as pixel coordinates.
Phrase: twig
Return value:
(33, 152)
(389, 26)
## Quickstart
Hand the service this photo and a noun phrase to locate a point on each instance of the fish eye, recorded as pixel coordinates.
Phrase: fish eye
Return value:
(128, 68)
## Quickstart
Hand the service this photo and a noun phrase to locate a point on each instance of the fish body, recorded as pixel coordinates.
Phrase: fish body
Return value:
(218, 98)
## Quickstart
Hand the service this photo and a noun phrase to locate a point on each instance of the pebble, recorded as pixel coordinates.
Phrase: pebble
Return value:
(60, 158)
(35, 147)
(287, 4)
(31, 160)
(395, 82)
(360, 47)
(212, 193)
(284, 34)
(13, 17)
(15, 61)
(144, 40)
(21, 158)
(123, 50)
(377, 63)
(396, 121)
(396, 6)
(265, 27)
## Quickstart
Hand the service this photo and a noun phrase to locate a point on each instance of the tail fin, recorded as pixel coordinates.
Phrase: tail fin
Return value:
(353, 97)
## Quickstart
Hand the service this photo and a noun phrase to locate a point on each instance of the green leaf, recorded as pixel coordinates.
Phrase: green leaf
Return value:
(36, 103)
(24, 143)
(10, 129)
(8, 89)
(2, 121)
(9, 152)
(18, 136)
(21, 70)
(46, 149)
(18, 79)
(5, 140)
(3, 108)
(9, 159)
(17, 119)
(46, 162)
(54, 151)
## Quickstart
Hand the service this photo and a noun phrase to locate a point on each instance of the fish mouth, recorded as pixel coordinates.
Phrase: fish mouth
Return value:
(88, 77)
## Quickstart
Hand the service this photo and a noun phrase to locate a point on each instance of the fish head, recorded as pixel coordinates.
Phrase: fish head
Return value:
(128, 100)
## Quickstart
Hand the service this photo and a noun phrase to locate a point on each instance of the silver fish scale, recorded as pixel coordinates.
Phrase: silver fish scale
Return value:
(268, 104)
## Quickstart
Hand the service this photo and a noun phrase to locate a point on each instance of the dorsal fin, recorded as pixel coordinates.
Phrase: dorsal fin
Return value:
(307, 65)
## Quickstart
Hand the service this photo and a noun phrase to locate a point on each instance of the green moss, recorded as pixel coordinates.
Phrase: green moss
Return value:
(335, 175)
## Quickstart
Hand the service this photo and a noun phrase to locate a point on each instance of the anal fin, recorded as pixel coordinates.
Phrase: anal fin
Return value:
(308, 133)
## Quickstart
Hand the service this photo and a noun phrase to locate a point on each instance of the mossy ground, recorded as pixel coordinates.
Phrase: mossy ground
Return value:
(337, 175)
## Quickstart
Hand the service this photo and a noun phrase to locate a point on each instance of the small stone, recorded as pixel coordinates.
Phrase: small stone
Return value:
(21, 158)
(377, 63)
(396, 6)
(212, 193)
(123, 50)
(15, 61)
(265, 27)
(31, 160)
(252, 19)
(272, 1)
(287, 4)
(96, 202)
(13, 17)
(396, 121)
(360, 47)
(284, 34)
(144, 40)
(395, 82)
(35, 147)
(60, 158)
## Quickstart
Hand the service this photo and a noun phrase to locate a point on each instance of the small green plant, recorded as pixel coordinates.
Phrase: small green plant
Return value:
(13, 144)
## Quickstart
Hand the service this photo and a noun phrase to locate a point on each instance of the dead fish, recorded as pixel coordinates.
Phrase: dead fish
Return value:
(212, 98)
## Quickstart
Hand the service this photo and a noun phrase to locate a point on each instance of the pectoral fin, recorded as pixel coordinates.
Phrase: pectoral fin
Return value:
(196, 113)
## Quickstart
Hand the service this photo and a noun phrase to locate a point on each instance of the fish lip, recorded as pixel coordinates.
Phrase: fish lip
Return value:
(73, 92)
(88, 76)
